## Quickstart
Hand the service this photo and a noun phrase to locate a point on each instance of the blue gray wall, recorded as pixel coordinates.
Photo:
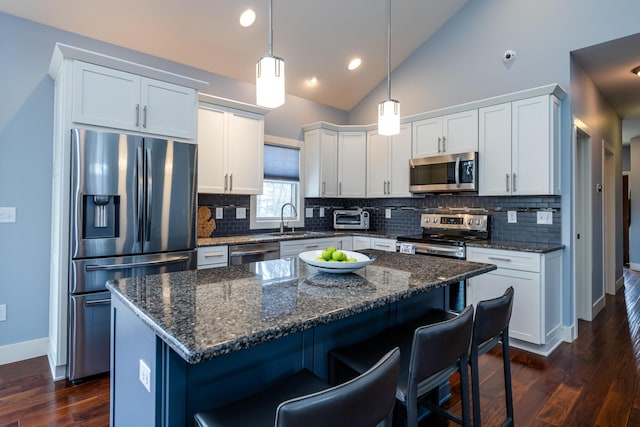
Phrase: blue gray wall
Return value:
(26, 134)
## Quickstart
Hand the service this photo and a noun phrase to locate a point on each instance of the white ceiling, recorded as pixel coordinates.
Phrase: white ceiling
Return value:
(609, 66)
(315, 37)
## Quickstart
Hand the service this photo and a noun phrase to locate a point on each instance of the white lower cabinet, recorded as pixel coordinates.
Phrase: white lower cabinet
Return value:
(379, 243)
(536, 319)
(213, 256)
(295, 247)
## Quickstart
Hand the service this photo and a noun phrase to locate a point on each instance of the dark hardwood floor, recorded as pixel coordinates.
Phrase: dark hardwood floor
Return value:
(594, 381)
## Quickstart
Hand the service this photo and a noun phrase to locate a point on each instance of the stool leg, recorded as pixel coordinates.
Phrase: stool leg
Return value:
(507, 375)
(475, 388)
(464, 391)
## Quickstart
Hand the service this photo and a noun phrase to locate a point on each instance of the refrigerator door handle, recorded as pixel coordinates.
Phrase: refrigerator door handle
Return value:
(139, 204)
(149, 179)
(170, 260)
(91, 302)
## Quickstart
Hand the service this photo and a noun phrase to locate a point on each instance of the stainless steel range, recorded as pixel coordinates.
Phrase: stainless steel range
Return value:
(447, 234)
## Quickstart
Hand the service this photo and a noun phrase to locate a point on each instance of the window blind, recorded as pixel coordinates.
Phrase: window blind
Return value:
(281, 163)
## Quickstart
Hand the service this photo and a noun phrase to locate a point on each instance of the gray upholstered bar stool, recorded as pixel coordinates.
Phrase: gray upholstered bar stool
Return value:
(303, 400)
(430, 354)
(491, 326)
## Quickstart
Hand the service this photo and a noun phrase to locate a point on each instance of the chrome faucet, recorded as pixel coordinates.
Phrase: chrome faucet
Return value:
(295, 213)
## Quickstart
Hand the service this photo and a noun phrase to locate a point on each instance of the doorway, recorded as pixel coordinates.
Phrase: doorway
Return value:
(608, 218)
(582, 220)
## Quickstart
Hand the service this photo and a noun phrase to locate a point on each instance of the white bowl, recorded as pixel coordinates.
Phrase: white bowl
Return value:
(336, 266)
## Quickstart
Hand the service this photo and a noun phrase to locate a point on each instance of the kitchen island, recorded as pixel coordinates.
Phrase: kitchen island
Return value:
(183, 342)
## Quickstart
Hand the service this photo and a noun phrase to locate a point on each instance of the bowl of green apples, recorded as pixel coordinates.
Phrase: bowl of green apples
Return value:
(332, 260)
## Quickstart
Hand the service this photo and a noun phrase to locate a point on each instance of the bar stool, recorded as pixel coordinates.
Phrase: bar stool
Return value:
(366, 400)
(430, 354)
(491, 326)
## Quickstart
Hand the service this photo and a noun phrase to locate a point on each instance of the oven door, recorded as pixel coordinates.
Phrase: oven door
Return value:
(450, 173)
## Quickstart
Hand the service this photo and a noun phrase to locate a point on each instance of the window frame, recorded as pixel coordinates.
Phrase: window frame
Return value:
(254, 224)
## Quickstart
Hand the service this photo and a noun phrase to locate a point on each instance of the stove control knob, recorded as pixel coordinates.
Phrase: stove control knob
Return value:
(469, 222)
(478, 221)
(426, 219)
(434, 219)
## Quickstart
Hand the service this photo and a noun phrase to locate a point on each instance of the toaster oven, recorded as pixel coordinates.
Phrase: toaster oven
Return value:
(351, 219)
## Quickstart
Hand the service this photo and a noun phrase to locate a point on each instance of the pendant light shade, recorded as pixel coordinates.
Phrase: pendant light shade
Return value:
(389, 110)
(270, 75)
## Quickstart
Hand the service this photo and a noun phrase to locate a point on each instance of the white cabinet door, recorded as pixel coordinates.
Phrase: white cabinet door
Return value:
(494, 157)
(531, 146)
(116, 99)
(245, 148)
(378, 165)
(361, 242)
(230, 152)
(213, 256)
(526, 316)
(460, 132)
(450, 134)
(211, 151)
(168, 109)
(352, 164)
(400, 154)
(105, 97)
(427, 137)
(321, 163)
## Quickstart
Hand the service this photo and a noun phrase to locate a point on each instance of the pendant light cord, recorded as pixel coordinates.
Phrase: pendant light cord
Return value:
(270, 28)
(389, 54)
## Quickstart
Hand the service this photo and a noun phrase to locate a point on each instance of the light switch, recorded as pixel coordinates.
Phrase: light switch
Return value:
(241, 213)
(544, 217)
(512, 217)
(219, 213)
(387, 213)
(8, 215)
(308, 212)
(321, 212)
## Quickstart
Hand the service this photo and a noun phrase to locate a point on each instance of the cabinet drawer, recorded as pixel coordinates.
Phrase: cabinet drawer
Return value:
(295, 247)
(513, 260)
(213, 256)
(388, 245)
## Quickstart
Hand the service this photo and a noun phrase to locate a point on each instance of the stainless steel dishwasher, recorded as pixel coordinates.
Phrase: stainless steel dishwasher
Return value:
(253, 252)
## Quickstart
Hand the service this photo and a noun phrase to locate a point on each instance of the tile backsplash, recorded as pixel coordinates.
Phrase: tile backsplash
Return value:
(405, 214)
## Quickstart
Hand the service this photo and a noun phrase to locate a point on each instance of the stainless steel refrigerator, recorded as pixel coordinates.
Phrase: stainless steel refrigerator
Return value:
(133, 213)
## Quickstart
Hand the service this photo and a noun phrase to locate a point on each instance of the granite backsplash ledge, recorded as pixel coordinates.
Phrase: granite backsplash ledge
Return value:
(405, 214)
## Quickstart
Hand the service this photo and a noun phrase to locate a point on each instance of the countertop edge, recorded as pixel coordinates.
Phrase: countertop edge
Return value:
(541, 248)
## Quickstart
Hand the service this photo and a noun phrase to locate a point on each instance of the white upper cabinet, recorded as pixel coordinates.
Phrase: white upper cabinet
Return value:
(321, 163)
(352, 164)
(116, 99)
(388, 163)
(519, 149)
(450, 134)
(230, 151)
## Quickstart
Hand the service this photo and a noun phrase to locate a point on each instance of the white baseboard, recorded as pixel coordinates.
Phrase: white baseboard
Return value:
(619, 283)
(569, 333)
(23, 350)
(634, 266)
(597, 307)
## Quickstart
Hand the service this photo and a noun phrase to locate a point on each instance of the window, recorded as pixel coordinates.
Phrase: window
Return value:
(281, 185)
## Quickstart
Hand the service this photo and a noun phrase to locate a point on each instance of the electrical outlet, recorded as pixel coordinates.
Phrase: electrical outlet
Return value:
(387, 213)
(512, 217)
(219, 213)
(544, 217)
(308, 212)
(3, 312)
(145, 375)
(321, 212)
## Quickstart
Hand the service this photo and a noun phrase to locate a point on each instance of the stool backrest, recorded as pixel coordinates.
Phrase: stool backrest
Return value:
(492, 317)
(439, 345)
(365, 400)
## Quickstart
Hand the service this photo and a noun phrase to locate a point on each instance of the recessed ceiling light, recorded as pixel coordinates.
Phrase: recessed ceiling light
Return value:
(247, 18)
(354, 63)
(312, 81)
(636, 71)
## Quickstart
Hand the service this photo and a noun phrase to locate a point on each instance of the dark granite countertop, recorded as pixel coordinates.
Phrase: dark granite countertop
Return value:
(276, 237)
(203, 314)
(517, 246)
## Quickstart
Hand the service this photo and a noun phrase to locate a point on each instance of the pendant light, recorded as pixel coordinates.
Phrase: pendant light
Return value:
(270, 75)
(389, 110)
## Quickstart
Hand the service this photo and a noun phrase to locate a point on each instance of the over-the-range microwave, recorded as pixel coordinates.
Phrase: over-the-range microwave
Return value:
(449, 173)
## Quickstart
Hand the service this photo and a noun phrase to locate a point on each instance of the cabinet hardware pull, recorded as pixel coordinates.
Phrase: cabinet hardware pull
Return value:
(91, 302)
(439, 139)
(312, 246)
(513, 178)
(123, 266)
(323, 187)
(230, 182)
(444, 149)
(213, 254)
(137, 115)
(497, 258)
(225, 181)
(144, 117)
(340, 189)
(507, 183)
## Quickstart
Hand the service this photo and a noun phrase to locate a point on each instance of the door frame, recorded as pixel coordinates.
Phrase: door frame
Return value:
(608, 218)
(582, 203)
